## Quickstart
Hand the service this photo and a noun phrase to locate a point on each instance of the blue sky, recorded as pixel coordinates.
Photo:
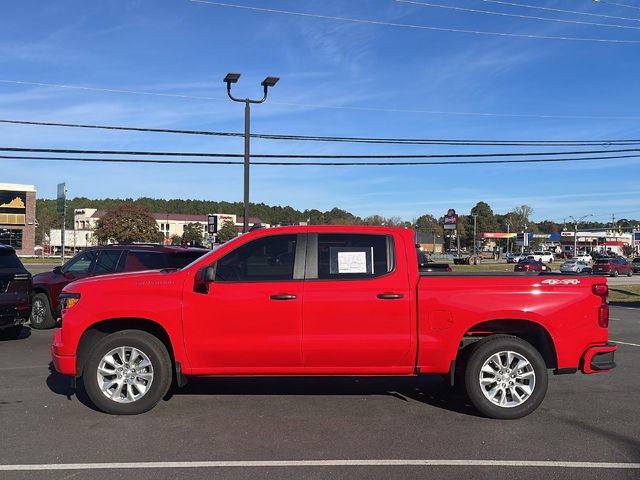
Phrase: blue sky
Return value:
(180, 47)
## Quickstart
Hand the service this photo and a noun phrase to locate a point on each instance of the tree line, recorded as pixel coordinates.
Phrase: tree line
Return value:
(517, 219)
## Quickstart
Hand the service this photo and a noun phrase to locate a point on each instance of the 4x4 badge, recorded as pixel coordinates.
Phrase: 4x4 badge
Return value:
(553, 281)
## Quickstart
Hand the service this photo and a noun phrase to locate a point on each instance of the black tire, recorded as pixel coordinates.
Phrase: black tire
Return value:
(615, 273)
(630, 274)
(481, 352)
(41, 316)
(152, 347)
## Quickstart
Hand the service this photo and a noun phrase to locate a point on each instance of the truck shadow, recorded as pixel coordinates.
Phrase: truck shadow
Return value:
(431, 390)
(23, 334)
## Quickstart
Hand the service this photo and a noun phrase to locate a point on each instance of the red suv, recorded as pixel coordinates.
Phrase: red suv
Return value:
(613, 266)
(102, 261)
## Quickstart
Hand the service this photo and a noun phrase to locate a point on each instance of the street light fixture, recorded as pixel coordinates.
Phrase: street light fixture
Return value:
(266, 83)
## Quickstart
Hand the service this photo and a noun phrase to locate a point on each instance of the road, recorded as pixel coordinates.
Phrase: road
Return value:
(333, 422)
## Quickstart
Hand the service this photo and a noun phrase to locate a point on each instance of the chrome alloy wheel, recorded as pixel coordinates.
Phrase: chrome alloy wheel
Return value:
(507, 379)
(125, 374)
(38, 312)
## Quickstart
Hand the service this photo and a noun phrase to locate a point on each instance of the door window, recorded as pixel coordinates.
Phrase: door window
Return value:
(265, 259)
(81, 263)
(352, 256)
(138, 260)
(107, 262)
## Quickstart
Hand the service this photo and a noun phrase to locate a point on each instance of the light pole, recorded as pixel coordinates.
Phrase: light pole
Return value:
(266, 83)
(575, 231)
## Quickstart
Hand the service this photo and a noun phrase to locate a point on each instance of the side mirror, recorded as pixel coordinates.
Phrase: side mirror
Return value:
(57, 270)
(204, 277)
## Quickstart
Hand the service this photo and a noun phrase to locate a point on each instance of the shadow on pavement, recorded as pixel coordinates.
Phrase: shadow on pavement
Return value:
(429, 389)
(625, 304)
(13, 335)
(64, 385)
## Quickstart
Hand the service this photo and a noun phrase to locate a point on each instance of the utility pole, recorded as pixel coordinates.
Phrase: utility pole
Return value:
(508, 226)
(475, 242)
(266, 83)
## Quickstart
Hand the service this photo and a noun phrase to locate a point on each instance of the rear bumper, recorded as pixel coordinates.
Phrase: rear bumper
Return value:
(598, 359)
(65, 364)
(11, 315)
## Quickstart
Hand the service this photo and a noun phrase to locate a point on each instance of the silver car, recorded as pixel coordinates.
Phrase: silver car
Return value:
(575, 266)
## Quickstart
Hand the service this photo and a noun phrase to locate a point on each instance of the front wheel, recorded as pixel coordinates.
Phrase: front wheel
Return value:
(506, 377)
(127, 373)
(630, 273)
(616, 273)
(41, 317)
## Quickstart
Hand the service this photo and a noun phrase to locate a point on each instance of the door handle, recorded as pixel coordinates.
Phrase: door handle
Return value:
(390, 296)
(283, 297)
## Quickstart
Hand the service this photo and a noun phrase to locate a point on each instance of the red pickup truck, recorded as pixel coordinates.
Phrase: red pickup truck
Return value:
(329, 300)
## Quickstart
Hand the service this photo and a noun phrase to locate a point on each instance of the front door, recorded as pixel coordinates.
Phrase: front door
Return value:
(250, 321)
(357, 306)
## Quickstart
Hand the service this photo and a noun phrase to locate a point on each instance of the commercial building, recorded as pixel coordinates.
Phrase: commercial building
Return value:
(18, 217)
(170, 224)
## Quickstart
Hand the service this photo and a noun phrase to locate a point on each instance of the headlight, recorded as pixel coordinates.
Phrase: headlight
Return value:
(69, 300)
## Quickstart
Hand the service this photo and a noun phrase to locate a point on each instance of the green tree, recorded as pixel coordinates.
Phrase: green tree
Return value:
(192, 234)
(427, 224)
(485, 222)
(176, 240)
(227, 231)
(128, 223)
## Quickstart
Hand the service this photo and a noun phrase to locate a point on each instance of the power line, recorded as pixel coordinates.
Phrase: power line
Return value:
(528, 17)
(326, 156)
(316, 138)
(618, 4)
(336, 107)
(314, 164)
(408, 25)
(536, 7)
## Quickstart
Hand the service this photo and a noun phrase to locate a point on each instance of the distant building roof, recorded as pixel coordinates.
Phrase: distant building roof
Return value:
(422, 237)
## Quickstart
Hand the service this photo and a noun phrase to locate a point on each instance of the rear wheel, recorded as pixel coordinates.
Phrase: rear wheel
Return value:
(127, 373)
(505, 377)
(41, 316)
(630, 273)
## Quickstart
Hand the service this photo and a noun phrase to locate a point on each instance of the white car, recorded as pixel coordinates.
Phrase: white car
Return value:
(575, 266)
(541, 256)
(584, 257)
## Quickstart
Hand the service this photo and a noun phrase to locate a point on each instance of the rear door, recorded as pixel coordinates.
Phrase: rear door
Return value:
(357, 305)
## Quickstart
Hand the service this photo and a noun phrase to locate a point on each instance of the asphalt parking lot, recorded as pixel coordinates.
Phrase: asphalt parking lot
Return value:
(343, 425)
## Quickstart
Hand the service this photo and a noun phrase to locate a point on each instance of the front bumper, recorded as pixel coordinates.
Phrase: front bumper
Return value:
(65, 364)
(598, 359)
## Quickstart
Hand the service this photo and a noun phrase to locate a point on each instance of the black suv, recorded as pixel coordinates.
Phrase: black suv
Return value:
(102, 261)
(15, 293)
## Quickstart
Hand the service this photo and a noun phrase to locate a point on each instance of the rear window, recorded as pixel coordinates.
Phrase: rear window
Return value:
(182, 259)
(603, 260)
(9, 259)
(354, 256)
(149, 260)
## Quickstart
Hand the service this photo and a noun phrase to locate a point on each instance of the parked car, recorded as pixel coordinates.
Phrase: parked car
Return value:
(575, 266)
(613, 266)
(15, 293)
(529, 264)
(543, 256)
(352, 303)
(102, 261)
(584, 257)
(515, 257)
(635, 265)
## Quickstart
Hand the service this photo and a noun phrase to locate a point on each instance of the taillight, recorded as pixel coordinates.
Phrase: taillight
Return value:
(449, 269)
(601, 290)
(603, 315)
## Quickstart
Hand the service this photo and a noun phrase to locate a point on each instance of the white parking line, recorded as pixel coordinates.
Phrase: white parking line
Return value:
(625, 343)
(322, 463)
